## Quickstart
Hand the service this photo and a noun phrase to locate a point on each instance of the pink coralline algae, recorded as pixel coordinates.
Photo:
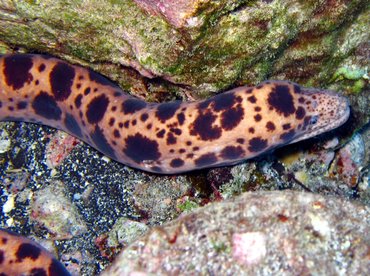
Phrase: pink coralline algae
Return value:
(59, 147)
(349, 161)
(175, 11)
(249, 248)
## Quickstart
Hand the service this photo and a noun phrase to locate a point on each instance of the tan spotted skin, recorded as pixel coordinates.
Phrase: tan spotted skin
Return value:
(21, 256)
(170, 137)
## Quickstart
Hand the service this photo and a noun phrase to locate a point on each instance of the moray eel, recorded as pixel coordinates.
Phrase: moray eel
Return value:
(166, 138)
(21, 256)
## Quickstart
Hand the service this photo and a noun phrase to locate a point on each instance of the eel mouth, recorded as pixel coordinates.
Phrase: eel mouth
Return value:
(329, 111)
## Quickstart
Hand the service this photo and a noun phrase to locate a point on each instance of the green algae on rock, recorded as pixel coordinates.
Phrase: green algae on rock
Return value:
(204, 45)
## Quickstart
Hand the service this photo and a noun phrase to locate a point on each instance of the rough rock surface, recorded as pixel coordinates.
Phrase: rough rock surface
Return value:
(264, 233)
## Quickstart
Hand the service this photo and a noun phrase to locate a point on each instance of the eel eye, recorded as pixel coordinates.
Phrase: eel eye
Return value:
(314, 120)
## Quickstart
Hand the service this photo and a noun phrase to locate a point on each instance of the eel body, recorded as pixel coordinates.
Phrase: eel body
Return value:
(169, 137)
(21, 256)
